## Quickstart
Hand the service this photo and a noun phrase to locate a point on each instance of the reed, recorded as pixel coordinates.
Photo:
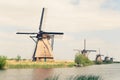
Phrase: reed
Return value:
(53, 78)
(78, 77)
(84, 77)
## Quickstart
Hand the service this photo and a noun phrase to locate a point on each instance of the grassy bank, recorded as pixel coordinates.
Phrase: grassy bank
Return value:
(30, 64)
(81, 77)
(80, 61)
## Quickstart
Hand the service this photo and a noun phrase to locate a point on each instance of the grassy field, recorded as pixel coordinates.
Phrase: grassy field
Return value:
(30, 64)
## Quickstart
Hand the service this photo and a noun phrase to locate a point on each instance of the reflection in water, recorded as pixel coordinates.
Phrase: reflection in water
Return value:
(15, 74)
(108, 72)
(41, 74)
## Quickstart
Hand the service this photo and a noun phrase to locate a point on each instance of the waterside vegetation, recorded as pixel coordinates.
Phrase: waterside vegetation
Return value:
(30, 64)
(2, 62)
(78, 77)
(81, 60)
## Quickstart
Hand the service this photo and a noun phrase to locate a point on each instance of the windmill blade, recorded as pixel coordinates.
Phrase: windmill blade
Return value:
(78, 50)
(52, 41)
(91, 50)
(84, 44)
(32, 37)
(26, 33)
(55, 33)
(35, 51)
(41, 21)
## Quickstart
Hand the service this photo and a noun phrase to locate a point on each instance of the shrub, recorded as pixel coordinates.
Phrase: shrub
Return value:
(107, 62)
(98, 62)
(18, 58)
(82, 60)
(2, 62)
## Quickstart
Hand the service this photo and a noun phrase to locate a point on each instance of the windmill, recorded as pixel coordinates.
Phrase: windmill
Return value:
(111, 59)
(84, 51)
(106, 59)
(43, 49)
(98, 57)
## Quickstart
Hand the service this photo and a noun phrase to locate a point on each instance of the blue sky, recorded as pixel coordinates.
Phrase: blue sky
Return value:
(97, 21)
(112, 4)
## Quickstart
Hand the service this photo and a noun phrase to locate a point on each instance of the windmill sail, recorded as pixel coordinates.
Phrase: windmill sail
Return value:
(84, 51)
(41, 21)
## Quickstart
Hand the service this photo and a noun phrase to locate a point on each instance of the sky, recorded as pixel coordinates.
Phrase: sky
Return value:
(97, 21)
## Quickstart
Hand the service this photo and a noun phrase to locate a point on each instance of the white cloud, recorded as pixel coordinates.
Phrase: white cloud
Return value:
(61, 15)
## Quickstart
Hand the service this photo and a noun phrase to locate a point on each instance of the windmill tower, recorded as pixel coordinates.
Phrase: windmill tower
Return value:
(43, 49)
(98, 57)
(84, 51)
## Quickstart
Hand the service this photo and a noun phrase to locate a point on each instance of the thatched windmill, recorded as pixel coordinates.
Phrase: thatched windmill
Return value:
(99, 57)
(106, 59)
(43, 49)
(84, 51)
(111, 59)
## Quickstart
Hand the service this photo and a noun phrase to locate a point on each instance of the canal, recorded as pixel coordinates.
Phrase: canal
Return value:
(107, 72)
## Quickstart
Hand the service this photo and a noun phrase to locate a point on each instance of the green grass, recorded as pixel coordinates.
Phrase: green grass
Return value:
(22, 64)
(78, 77)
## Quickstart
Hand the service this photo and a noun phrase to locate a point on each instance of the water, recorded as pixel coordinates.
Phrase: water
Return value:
(107, 72)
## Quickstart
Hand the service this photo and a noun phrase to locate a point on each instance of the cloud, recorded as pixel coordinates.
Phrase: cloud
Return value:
(112, 5)
(75, 2)
(76, 18)
(60, 15)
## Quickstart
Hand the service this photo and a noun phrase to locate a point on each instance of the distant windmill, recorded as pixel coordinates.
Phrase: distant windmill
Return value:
(111, 59)
(98, 57)
(106, 59)
(84, 51)
(43, 49)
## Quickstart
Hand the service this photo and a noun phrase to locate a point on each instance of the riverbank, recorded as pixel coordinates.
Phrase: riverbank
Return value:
(30, 64)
